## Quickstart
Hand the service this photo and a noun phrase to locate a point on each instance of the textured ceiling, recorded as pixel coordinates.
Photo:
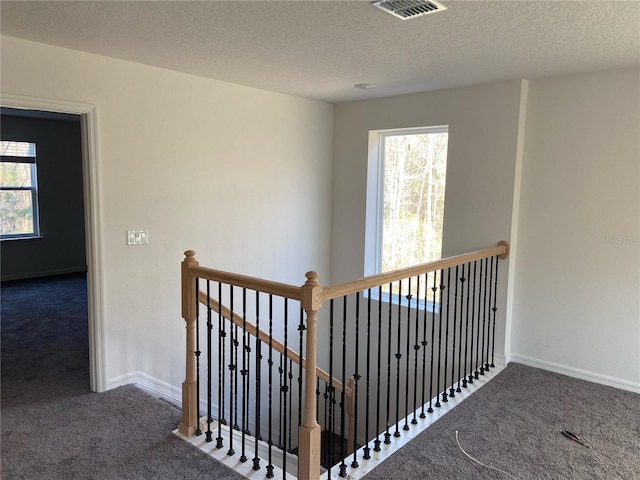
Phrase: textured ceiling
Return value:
(320, 49)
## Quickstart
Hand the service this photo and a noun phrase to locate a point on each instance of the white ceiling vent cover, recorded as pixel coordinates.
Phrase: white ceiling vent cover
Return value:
(406, 9)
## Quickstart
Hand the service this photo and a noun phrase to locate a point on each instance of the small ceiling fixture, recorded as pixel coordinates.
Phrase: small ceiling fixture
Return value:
(406, 9)
(365, 86)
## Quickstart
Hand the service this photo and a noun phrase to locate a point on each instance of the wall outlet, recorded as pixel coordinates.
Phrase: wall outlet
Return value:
(137, 237)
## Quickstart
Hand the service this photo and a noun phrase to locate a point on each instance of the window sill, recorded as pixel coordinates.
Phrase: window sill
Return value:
(394, 299)
(20, 237)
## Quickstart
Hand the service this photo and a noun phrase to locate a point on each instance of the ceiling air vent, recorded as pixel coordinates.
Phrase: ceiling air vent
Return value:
(406, 9)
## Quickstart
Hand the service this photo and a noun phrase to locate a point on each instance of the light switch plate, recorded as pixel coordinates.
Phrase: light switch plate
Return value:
(137, 237)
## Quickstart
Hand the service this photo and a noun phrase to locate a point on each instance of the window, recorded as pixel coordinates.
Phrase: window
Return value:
(18, 190)
(405, 200)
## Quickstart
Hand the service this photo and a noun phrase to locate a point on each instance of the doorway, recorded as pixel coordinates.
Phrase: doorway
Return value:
(93, 252)
(44, 307)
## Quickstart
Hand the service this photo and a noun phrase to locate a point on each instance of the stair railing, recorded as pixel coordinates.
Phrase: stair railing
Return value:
(437, 317)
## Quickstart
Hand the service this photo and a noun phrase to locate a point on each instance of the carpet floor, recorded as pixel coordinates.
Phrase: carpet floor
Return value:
(54, 428)
(514, 424)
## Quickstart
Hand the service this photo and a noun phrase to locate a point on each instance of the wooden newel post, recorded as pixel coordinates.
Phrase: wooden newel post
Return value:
(189, 423)
(309, 432)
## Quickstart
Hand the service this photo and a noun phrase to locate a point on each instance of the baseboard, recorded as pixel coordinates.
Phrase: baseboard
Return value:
(574, 372)
(43, 273)
(149, 384)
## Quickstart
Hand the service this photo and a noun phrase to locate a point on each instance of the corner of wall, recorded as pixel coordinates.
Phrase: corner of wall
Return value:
(515, 211)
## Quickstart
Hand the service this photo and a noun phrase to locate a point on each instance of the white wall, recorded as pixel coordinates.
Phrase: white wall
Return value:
(240, 175)
(577, 289)
(175, 149)
(484, 124)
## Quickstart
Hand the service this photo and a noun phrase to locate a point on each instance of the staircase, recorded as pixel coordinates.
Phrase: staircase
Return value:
(273, 369)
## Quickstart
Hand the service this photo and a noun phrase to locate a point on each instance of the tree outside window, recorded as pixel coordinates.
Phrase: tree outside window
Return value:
(18, 190)
(412, 164)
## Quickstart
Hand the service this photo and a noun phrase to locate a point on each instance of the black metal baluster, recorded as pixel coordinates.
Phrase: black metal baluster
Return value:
(318, 401)
(236, 371)
(366, 449)
(387, 435)
(495, 309)
(473, 314)
(356, 376)
(408, 349)
(209, 433)
(463, 313)
(398, 358)
(439, 342)
(453, 346)
(343, 452)
(424, 342)
(197, 354)
(486, 356)
(256, 458)
(301, 328)
(484, 318)
(331, 429)
(290, 385)
(416, 348)
(323, 451)
(376, 443)
(285, 388)
(243, 373)
(433, 333)
(222, 348)
(330, 432)
(476, 373)
(280, 394)
(445, 397)
(232, 369)
(270, 473)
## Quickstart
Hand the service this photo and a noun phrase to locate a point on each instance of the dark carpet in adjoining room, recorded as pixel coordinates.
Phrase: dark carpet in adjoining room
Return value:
(53, 426)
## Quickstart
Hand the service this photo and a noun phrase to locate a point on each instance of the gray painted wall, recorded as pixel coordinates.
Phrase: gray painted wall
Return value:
(61, 199)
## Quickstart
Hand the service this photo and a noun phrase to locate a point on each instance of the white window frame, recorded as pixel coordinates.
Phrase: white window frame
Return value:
(375, 205)
(29, 159)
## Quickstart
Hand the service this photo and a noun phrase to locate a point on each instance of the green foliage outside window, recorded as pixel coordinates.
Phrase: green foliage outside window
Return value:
(414, 190)
(18, 192)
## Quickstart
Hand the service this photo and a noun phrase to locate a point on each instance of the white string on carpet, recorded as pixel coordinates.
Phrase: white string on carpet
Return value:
(480, 463)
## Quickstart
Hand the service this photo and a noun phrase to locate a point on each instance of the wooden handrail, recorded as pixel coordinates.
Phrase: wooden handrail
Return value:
(347, 288)
(252, 283)
(264, 338)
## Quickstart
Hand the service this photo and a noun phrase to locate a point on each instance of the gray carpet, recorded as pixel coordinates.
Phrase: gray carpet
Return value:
(514, 423)
(53, 427)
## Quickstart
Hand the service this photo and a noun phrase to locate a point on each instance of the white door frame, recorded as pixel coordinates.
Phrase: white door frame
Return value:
(92, 213)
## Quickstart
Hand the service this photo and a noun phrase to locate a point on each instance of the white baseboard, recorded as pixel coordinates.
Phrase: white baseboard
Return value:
(161, 389)
(574, 372)
(149, 384)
